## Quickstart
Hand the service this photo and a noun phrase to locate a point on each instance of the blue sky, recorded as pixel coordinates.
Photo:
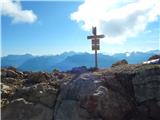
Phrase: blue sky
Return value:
(54, 31)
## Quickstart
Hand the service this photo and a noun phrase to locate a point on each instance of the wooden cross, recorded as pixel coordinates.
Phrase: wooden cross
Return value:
(95, 43)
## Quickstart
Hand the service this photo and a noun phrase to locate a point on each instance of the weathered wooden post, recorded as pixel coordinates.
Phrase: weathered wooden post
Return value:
(95, 43)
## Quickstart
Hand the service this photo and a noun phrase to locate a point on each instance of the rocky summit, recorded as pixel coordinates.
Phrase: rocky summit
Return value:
(122, 92)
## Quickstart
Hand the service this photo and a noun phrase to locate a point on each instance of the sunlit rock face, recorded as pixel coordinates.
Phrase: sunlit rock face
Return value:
(28, 95)
(91, 96)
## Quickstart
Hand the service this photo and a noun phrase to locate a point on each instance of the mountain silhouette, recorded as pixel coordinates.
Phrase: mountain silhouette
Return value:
(68, 60)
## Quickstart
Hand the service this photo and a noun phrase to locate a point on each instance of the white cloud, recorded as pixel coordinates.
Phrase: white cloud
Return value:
(117, 19)
(14, 10)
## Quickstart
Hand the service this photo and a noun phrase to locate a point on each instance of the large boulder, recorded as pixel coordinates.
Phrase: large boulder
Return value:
(90, 97)
(123, 92)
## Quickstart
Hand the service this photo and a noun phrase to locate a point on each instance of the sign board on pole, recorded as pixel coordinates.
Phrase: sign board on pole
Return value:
(95, 41)
(95, 47)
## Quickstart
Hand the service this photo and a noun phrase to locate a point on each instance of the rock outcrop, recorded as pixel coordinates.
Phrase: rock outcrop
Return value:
(154, 57)
(28, 95)
(90, 97)
(122, 92)
(121, 62)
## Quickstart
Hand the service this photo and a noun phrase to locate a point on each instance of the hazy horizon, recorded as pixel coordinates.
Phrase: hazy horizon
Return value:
(81, 52)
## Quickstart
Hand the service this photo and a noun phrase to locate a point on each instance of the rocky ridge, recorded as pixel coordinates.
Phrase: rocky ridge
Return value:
(122, 92)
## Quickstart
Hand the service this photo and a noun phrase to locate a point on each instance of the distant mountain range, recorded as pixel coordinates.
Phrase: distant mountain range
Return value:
(68, 60)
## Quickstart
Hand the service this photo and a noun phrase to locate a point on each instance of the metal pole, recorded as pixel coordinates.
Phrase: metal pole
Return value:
(96, 61)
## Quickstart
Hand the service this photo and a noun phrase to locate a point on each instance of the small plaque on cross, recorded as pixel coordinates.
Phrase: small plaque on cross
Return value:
(95, 47)
(95, 41)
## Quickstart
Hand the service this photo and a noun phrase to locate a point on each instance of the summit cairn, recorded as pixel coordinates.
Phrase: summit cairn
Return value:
(95, 43)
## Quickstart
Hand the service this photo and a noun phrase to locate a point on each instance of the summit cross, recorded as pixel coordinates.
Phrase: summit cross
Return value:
(95, 43)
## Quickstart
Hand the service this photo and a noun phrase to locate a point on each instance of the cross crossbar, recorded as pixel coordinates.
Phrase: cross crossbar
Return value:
(95, 36)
